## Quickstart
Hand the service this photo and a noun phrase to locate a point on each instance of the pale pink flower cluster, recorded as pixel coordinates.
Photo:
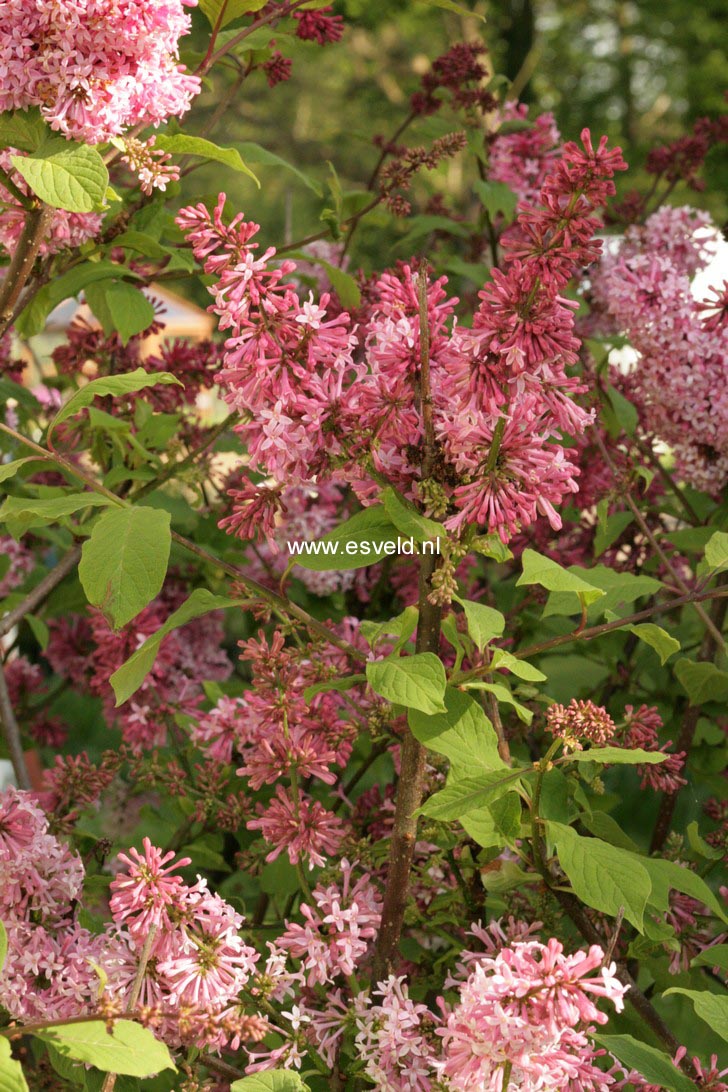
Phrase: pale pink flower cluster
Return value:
(323, 398)
(48, 972)
(150, 164)
(521, 159)
(523, 1011)
(679, 380)
(337, 932)
(95, 67)
(66, 229)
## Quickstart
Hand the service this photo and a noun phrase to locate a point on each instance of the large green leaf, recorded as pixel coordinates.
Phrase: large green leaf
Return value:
(124, 561)
(656, 1067)
(617, 756)
(9, 470)
(666, 875)
(182, 144)
(127, 679)
(128, 1049)
(32, 320)
(231, 9)
(11, 1072)
(24, 129)
(716, 551)
(362, 540)
(702, 682)
(484, 622)
(656, 637)
(465, 795)
(416, 682)
(22, 513)
(498, 824)
(603, 876)
(120, 308)
(65, 175)
(129, 383)
(538, 569)
(711, 1007)
(408, 520)
(462, 733)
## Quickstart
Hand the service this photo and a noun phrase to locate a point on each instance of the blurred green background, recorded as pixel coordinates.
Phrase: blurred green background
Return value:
(641, 72)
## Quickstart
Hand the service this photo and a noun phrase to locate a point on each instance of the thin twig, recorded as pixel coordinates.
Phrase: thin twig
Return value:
(110, 1080)
(11, 734)
(41, 591)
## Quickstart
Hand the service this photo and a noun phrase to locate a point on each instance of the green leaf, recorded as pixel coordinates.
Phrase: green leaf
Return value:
(127, 679)
(129, 383)
(491, 546)
(656, 637)
(468, 794)
(342, 282)
(24, 129)
(408, 520)
(462, 733)
(702, 682)
(11, 1072)
(669, 874)
(603, 876)
(182, 144)
(623, 410)
(711, 1007)
(271, 1080)
(9, 470)
(716, 551)
(124, 562)
(617, 756)
(255, 153)
(619, 589)
(498, 824)
(65, 175)
(504, 696)
(716, 956)
(416, 682)
(129, 1049)
(542, 570)
(32, 320)
(362, 540)
(234, 9)
(609, 530)
(120, 308)
(402, 627)
(27, 512)
(522, 669)
(496, 197)
(484, 623)
(655, 1066)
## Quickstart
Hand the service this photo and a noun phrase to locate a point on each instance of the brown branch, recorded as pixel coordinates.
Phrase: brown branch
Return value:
(34, 231)
(41, 591)
(411, 783)
(11, 734)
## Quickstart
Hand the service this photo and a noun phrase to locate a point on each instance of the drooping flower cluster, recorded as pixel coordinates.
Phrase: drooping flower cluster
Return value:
(19, 562)
(640, 729)
(325, 400)
(95, 67)
(678, 381)
(276, 733)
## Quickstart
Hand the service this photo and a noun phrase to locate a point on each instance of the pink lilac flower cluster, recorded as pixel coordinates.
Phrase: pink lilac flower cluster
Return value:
(95, 67)
(678, 382)
(276, 733)
(324, 399)
(641, 729)
(522, 159)
(580, 720)
(87, 651)
(521, 1015)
